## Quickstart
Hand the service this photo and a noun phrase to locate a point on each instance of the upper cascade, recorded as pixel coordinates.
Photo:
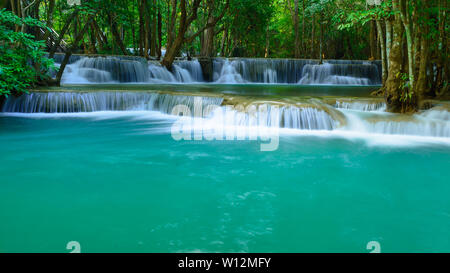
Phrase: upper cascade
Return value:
(341, 74)
(131, 69)
(293, 71)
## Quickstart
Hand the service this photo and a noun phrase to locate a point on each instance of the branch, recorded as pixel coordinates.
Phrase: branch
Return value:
(29, 6)
(208, 25)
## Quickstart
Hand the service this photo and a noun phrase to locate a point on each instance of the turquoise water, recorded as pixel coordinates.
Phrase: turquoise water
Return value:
(118, 182)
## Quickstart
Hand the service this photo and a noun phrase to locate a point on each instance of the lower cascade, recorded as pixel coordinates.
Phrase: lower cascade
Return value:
(358, 116)
(65, 102)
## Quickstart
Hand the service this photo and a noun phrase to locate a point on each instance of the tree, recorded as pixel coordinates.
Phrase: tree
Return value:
(185, 22)
(19, 52)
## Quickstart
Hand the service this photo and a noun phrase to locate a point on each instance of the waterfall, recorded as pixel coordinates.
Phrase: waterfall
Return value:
(430, 123)
(310, 114)
(416, 128)
(361, 106)
(279, 116)
(182, 72)
(341, 74)
(131, 69)
(105, 70)
(258, 70)
(68, 102)
(89, 70)
(286, 71)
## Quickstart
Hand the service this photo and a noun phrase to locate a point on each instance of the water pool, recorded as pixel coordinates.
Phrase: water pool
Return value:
(118, 182)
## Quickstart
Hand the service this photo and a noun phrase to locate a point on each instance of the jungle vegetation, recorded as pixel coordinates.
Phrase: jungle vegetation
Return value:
(408, 36)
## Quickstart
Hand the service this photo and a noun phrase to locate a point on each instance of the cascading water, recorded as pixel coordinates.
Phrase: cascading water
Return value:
(361, 106)
(105, 70)
(340, 74)
(244, 70)
(362, 117)
(68, 102)
(91, 70)
(285, 71)
(130, 69)
(182, 72)
(279, 116)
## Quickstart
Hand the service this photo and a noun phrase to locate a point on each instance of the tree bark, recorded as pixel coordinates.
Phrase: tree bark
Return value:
(396, 95)
(313, 37)
(406, 20)
(171, 27)
(295, 20)
(388, 39)
(153, 41)
(266, 51)
(321, 38)
(158, 53)
(209, 33)
(383, 51)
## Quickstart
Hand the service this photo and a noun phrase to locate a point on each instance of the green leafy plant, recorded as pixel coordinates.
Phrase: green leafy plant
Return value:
(406, 94)
(22, 61)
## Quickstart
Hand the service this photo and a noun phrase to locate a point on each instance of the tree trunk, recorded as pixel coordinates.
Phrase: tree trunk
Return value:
(396, 95)
(372, 41)
(313, 37)
(208, 34)
(321, 39)
(146, 37)
(406, 20)
(303, 27)
(158, 52)
(297, 34)
(224, 42)
(266, 51)
(153, 40)
(171, 27)
(184, 24)
(142, 34)
(383, 51)
(421, 86)
(295, 20)
(388, 39)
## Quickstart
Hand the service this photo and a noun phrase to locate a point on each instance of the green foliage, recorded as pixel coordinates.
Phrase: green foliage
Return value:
(361, 16)
(248, 20)
(22, 61)
(406, 92)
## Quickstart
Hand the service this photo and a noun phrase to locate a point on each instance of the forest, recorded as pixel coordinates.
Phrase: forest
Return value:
(408, 36)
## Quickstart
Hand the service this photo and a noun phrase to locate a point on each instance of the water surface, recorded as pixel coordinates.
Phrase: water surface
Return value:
(118, 182)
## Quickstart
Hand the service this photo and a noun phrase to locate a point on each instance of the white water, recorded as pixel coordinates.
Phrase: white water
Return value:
(92, 70)
(338, 74)
(361, 106)
(306, 72)
(313, 116)
(108, 70)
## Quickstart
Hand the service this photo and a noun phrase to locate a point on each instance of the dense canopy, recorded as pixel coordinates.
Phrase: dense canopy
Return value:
(409, 36)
